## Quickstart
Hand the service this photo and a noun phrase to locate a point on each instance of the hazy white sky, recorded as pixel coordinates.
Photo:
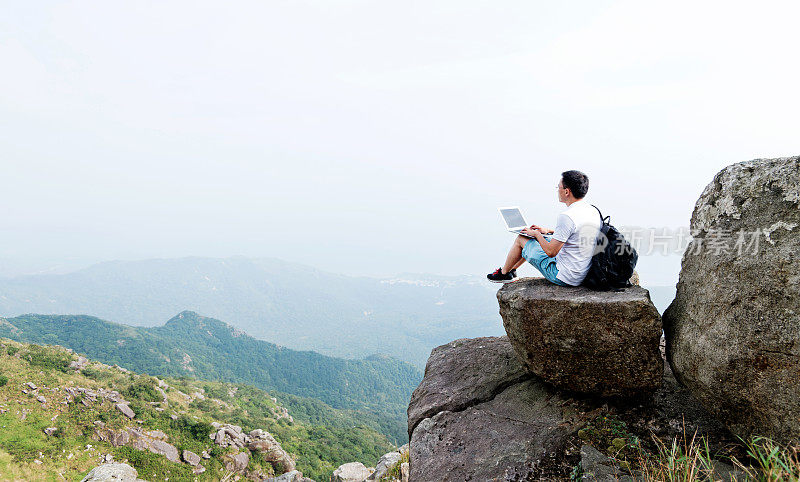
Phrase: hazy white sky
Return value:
(373, 137)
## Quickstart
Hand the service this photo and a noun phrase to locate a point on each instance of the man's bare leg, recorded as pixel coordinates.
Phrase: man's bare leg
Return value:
(515, 259)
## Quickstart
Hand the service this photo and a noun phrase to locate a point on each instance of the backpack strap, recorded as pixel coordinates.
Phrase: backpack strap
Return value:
(603, 220)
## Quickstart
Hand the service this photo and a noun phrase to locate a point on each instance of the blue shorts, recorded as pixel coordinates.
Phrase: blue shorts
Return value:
(546, 265)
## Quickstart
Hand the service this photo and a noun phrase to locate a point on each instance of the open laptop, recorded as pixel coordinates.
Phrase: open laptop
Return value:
(514, 220)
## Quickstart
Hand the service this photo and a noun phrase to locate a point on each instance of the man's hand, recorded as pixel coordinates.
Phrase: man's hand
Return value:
(542, 230)
(532, 231)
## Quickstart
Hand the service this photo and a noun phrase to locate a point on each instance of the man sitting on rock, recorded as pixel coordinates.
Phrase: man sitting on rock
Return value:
(563, 255)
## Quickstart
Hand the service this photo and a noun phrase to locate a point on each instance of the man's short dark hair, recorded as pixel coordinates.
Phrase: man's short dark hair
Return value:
(577, 182)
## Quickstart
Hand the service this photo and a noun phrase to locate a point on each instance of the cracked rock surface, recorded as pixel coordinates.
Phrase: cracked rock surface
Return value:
(478, 415)
(464, 372)
(733, 330)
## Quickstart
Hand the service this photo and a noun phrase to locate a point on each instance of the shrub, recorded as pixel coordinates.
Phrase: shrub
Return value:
(12, 350)
(47, 358)
(96, 374)
(153, 466)
(3, 380)
(143, 389)
(193, 428)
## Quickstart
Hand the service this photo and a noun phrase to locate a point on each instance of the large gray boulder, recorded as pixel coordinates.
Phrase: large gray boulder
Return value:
(114, 472)
(462, 373)
(271, 451)
(478, 415)
(601, 343)
(351, 472)
(733, 330)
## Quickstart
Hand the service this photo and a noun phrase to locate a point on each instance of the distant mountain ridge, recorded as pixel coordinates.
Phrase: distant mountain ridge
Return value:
(285, 303)
(192, 345)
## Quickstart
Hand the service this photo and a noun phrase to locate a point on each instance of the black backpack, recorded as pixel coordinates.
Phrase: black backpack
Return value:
(614, 259)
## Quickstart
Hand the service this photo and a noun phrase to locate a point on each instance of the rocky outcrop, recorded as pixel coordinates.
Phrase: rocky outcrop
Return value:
(733, 330)
(190, 457)
(113, 472)
(257, 440)
(271, 451)
(462, 373)
(351, 472)
(227, 435)
(153, 440)
(601, 343)
(358, 472)
(79, 364)
(480, 415)
(125, 410)
(237, 462)
(293, 476)
(89, 395)
(387, 462)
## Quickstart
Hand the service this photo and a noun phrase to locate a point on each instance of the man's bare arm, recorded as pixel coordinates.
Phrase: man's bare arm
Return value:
(550, 248)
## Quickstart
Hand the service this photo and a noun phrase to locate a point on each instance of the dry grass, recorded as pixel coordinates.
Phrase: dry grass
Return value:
(689, 459)
(684, 460)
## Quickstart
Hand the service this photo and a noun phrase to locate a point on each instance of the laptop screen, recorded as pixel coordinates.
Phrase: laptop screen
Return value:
(513, 217)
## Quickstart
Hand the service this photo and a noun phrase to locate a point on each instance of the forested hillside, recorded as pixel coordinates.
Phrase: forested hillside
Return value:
(374, 391)
(53, 412)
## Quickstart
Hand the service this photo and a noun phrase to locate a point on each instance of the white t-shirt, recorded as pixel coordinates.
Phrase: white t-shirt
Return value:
(577, 228)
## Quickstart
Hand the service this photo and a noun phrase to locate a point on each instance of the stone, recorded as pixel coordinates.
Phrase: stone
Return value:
(125, 409)
(50, 430)
(293, 476)
(190, 457)
(601, 343)
(135, 438)
(237, 462)
(464, 372)
(404, 472)
(505, 437)
(166, 449)
(385, 464)
(597, 467)
(117, 438)
(79, 364)
(156, 434)
(351, 472)
(112, 472)
(41, 399)
(141, 441)
(31, 385)
(272, 452)
(733, 330)
(728, 472)
(482, 415)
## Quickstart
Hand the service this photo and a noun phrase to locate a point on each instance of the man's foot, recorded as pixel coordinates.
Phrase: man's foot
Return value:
(499, 277)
